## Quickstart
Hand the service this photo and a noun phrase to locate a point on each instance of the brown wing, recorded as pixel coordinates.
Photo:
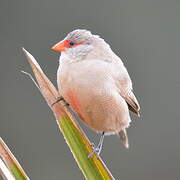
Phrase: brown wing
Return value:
(125, 89)
(132, 102)
(125, 86)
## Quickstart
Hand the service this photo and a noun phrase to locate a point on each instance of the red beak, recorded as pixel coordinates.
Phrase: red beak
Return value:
(61, 46)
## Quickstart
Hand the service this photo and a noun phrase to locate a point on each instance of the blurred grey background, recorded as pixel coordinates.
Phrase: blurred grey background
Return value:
(144, 33)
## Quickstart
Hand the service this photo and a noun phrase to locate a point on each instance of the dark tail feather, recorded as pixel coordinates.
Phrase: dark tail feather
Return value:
(124, 138)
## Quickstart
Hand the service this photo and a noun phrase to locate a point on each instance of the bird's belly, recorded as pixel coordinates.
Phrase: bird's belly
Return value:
(96, 100)
(99, 111)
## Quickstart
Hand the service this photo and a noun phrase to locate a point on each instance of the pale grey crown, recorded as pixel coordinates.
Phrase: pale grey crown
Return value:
(83, 35)
(80, 35)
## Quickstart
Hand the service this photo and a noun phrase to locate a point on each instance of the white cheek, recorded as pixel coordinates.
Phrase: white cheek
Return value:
(63, 58)
(79, 50)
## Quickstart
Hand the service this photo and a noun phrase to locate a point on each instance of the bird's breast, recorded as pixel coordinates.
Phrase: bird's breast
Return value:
(90, 89)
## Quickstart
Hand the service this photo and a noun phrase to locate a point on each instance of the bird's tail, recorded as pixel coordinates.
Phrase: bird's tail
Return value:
(124, 138)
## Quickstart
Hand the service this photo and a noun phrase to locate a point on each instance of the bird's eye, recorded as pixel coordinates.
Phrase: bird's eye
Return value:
(72, 43)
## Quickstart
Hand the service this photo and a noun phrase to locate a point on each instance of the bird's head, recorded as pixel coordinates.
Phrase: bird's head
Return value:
(78, 43)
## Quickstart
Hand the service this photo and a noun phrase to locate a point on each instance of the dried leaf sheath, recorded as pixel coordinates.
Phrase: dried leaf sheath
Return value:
(92, 168)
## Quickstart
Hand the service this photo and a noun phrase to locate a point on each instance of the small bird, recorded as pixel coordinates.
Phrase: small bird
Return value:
(93, 80)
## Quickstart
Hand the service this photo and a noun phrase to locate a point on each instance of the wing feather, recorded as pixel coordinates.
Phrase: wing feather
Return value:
(132, 103)
(125, 86)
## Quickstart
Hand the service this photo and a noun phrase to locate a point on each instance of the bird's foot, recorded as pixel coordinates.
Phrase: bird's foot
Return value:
(96, 150)
(60, 98)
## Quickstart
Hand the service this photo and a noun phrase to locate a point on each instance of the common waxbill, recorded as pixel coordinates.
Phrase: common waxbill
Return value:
(94, 81)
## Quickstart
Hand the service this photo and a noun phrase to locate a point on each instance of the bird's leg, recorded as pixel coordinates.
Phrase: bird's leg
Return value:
(60, 98)
(98, 148)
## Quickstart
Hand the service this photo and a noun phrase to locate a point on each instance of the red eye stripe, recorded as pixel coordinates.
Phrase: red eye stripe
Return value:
(68, 45)
(63, 45)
